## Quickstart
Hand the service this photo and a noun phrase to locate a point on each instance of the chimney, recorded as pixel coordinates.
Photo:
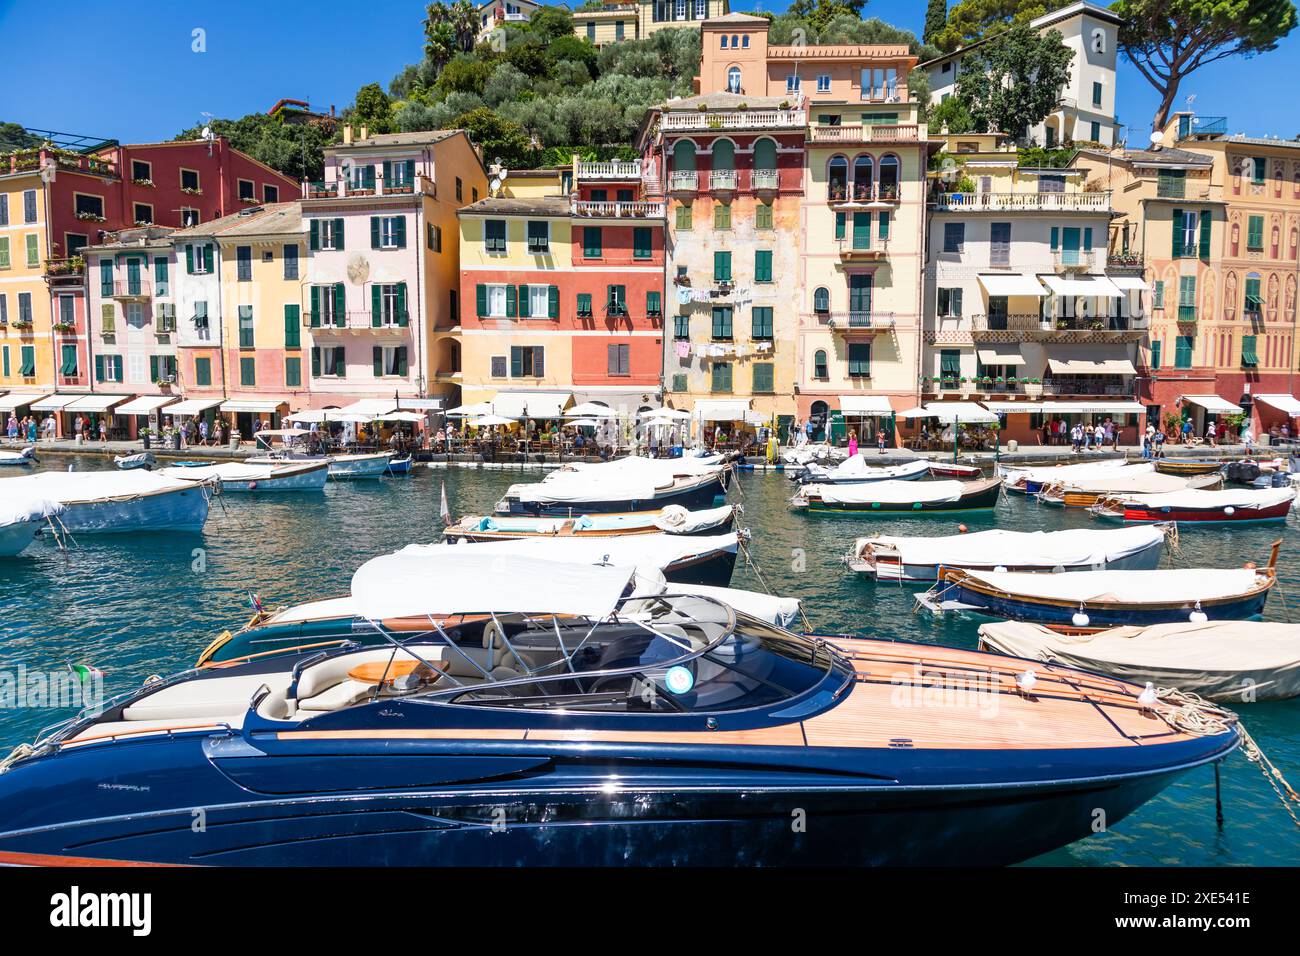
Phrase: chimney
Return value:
(347, 133)
(365, 133)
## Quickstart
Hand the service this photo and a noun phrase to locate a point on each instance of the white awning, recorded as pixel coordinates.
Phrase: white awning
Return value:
(721, 409)
(1213, 403)
(96, 403)
(192, 406)
(1082, 285)
(531, 404)
(252, 405)
(382, 406)
(1287, 403)
(18, 399)
(1099, 407)
(967, 413)
(1013, 283)
(1000, 353)
(470, 411)
(1129, 282)
(1090, 360)
(52, 403)
(1014, 408)
(144, 404)
(866, 405)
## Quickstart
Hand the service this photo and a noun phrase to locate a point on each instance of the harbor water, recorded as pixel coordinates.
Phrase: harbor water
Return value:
(136, 605)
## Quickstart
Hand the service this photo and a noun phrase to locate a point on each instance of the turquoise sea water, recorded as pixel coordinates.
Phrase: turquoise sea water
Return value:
(144, 604)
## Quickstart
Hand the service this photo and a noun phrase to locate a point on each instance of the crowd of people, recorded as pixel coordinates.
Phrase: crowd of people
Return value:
(29, 430)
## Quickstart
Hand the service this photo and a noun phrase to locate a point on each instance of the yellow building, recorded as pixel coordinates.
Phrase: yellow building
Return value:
(26, 335)
(618, 20)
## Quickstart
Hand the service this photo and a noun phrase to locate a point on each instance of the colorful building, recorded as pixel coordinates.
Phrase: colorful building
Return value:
(562, 274)
(616, 20)
(27, 341)
(383, 288)
(1024, 309)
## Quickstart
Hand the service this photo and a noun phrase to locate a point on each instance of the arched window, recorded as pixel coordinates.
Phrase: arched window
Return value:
(724, 155)
(837, 177)
(733, 80)
(684, 156)
(862, 170)
(735, 39)
(744, 42)
(724, 41)
(765, 154)
(820, 368)
(821, 300)
(888, 177)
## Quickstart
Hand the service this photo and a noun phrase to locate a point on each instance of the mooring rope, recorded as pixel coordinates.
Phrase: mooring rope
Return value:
(753, 566)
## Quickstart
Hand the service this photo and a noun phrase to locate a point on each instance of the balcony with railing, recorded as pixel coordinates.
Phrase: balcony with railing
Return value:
(857, 320)
(841, 191)
(132, 289)
(1095, 202)
(1190, 125)
(65, 271)
(1077, 259)
(392, 323)
(344, 188)
(765, 179)
(618, 210)
(691, 121)
(869, 133)
(615, 171)
(683, 181)
(859, 247)
(722, 180)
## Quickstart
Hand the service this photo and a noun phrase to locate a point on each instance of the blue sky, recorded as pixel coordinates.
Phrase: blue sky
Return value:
(129, 73)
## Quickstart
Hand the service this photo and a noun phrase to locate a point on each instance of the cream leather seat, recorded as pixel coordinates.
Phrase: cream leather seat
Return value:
(326, 686)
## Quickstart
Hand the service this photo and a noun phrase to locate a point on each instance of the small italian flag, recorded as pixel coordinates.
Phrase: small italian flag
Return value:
(85, 673)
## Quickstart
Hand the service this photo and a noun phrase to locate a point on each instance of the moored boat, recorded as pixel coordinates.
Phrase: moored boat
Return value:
(1083, 493)
(143, 459)
(1029, 480)
(918, 559)
(21, 519)
(1231, 661)
(670, 520)
(400, 465)
(18, 459)
(626, 484)
(899, 497)
(368, 465)
(117, 501)
(1189, 466)
(952, 469)
(675, 730)
(1199, 506)
(855, 470)
(1094, 600)
(284, 475)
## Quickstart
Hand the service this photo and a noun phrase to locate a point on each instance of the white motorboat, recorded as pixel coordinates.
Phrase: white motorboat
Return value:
(116, 501)
(918, 558)
(283, 475)
(143, 459)
(18, 459)
(627, 484)
(855, 471)
(20, 519)
(371, 465)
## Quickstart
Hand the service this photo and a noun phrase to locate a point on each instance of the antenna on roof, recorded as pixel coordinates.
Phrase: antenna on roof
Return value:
(207, 130)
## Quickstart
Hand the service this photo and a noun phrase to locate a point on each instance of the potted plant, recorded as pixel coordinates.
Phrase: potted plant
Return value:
(64, 327)
(146, 183)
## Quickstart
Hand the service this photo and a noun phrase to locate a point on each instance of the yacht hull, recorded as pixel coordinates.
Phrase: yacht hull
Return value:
(17, 536)
(182, 509)
(695, 498)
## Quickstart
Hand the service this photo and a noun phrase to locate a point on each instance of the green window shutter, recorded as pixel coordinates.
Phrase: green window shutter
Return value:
(1056, 238)
(388, 173)
(525, 306)
(884, 225)
(762, 322)
(763, 216)
(160, 276)
(248, 372)
(99, 366)
(763, 378)
(1187, 299)
(1255, 233)
(4, 252)
(584, 304)
(368, 177)
(592, 243)
(763, 265)
(1178, 234)
(203, 371)
(208, 266)
(376, 306)
(315, 307)
(722, 267)
(105, 276)
(684, 217)
(859, 359)
(374, 232)
(292, 326)
(840, 221)
(1203, 249)
(245, 326)
(401, 360)
(512, 301)
(1248, 356)
(1155, 354)
(862, 230)
(403, 317)
(1183, 347)
(338, 234)
(1087, 239)
(29, 360)
(293, 372)
(722, 216)
(721, 377)
(722, 322)
(516, 362)
(377, 358)
(5, 353)
(641, 242)
(480, 300)
(153, 368)
(1158, 295)
(315, 362)
(409, 179)
(340, 305)
(33, 253)
(315, 236)
(340, 363)
(553, 301)
(400, 232)
(654, 303)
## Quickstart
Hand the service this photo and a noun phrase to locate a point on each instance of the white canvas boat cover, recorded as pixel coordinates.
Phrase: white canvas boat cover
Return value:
(866, 405)
(1128, 481)
(192, 406)
(1072, 472)
(891, 492)
(531, 404)
(1072, 548)
(677, 520)
(95, 403)
(15, 509)
(646, 552)
(1125, 587)
(783, 612)
(438, 579)
(1000, 353)
(1287, 403)
(236, 471)
(15, 400)
(70, 487)
(855, 468)
(1241, 498)
(1213, 403)
(1090, 360)
(1216, 659)
(640, 465)
(1011, 284)
(145, 404)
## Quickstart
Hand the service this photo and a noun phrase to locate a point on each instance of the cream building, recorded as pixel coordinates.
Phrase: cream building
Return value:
(618, 20)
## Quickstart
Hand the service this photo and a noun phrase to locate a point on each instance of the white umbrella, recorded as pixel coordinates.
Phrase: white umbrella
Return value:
(467, 411)
(591, 410)
(400, 417)
(585, 422)
(669, 414)
(486, 420)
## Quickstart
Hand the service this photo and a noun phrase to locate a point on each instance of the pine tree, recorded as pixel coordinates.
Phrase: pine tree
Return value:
(936, 18)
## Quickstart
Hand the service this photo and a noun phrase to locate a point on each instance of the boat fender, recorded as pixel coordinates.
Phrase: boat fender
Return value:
(1198, 616)
(1026, 681)
(962, 529)
(252, 486)
(1080, 618)
(1229, 510)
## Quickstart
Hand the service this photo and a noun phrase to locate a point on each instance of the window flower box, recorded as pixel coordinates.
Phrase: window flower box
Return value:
(146, 183)
(251, 200)
(91, 217)
(191, 192)
(64, 327)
